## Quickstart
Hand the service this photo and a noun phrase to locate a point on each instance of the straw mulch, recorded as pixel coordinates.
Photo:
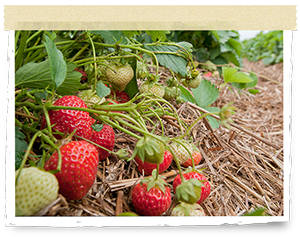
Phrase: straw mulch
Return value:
(244, 165)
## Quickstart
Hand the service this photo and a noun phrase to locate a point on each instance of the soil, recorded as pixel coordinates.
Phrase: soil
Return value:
(244, 164)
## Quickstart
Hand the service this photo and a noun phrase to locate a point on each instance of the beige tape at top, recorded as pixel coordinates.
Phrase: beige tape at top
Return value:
(165, 17)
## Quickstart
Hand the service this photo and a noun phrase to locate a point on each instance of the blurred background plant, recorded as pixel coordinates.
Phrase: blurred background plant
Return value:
(267, 47)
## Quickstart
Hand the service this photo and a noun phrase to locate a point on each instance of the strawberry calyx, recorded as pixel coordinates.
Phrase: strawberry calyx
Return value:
(189, 191)
(156, 181)
(149, 150)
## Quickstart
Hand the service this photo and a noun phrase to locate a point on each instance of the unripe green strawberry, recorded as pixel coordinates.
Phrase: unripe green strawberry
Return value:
(171, 92)
(186, 209)
(141, 70)
(35, 190)
(180, 152)
(195, 82)
(90, 97)
(155, 89)
(121, 77)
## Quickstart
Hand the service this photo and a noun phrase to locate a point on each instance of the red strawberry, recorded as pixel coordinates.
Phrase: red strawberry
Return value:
(205, 189)
(151, 197)
(66, 121)
(196, 157)
(84, 75)
(78, 168)
(121, 96)
(147, 167)
(208, 74)
(113, 102)
(106, 138)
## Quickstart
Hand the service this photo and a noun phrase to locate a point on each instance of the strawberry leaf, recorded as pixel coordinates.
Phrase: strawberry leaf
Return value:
(20, 147)
(58, 67)
(102, 90)
(175, 62)
(205, 94)
(186, 95)
(37, 76)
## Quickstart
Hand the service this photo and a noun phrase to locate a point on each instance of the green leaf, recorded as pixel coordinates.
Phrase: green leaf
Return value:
(186, 95)
(37, 76)
(231, 75)
(157, 35)
(212, 121)
(132, 87)
(111, 37)
(174, 62)
(20, 147)
(240, 77)
(102, 90)
(236, 45)
(253, 91)
(58, 67)
(228, 72)
(205, 94)
(256, 212)
(22, 46)
(246, 85)
(97, 127)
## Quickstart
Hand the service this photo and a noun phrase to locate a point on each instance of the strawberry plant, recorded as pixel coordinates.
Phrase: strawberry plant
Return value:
(267, 47)
(68, 117)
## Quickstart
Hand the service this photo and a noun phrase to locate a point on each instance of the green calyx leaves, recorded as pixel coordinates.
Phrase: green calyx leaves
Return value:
(150, 150)
(155, 181)
(189, 191)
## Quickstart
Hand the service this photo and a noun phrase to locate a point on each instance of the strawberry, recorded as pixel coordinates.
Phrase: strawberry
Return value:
(35, 189)
(105, 138)
(186, 209)
(207, 74)
(83, 73)
(150, 150)
(90, 97)
(147, 167)
(196, 157)
(121, 75)
(121, 96)
(66, 121)
(155, 89)
(78, 168)
(180, 152)
(194, 175)
(151, 197)
(192, 82)
(171, 92)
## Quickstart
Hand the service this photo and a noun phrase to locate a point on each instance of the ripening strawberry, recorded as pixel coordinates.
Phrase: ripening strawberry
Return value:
(105, 138)
(35, 190)
(66, 121)
(121, 75)
(147, 168)
(180, 152)
(151, 197)
(205, 189)
(196, 157)
(78, 168)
